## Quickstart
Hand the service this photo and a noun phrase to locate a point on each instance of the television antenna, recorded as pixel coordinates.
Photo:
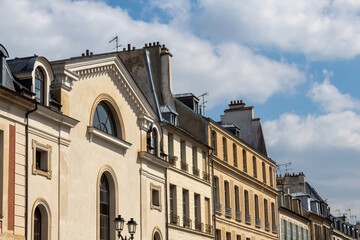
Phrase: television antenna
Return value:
(279, 167)
(203, 102)
(116, 39)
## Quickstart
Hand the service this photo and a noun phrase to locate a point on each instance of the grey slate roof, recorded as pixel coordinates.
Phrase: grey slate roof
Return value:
(25, 64)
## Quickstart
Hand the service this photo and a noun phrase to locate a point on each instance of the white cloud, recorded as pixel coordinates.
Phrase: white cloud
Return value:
(63, 28)
(320, 29)
(329, 97)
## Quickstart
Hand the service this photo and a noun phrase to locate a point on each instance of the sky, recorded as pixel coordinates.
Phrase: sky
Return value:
(296, 62)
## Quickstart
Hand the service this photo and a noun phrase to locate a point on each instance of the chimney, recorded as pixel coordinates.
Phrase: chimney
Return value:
(129, 47)
(236, 104)
(166, 75)
(87, 52)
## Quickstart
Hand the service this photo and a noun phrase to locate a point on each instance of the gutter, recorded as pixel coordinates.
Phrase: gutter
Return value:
(27, 166)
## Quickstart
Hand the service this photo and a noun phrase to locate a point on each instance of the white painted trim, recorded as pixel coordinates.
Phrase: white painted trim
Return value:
(107, 137)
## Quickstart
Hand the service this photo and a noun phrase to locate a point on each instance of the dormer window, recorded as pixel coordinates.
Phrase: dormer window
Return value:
(39, 85)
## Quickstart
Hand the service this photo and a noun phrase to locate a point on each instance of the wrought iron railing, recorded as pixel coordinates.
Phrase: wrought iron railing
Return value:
(228, 212)
(199, 226)
(172, 160)
(267, 226)
(208, 228)
(218, 208)
(206, 176)
(174, 219)
(187, 222)
(184, 166)
(196, 171)
(274, 228)
(257, 222)
(247, 219)
(238, 215)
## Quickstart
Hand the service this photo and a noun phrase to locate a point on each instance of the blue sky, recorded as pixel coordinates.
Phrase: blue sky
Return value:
(296, 62)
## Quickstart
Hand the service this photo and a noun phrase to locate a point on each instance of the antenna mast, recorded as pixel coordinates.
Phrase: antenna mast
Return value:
(116, 38)
(284, 165)
(203, 102)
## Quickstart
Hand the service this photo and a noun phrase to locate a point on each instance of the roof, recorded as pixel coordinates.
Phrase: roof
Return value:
(25, 64)
(167, 109)
(185, 95)
(312, 192)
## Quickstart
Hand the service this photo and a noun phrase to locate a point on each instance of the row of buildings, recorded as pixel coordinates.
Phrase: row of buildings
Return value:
(85, 139)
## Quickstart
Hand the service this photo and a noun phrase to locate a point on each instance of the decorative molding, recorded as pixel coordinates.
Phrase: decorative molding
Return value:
(157, 188)
(145, 122)
(63, 79)
(92, 131)
(46, 148)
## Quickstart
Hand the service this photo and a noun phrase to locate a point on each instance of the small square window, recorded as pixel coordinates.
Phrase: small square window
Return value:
(155, 196)
(41, 159)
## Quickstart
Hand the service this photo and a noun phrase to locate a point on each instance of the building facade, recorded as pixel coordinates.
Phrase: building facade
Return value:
(244, 183)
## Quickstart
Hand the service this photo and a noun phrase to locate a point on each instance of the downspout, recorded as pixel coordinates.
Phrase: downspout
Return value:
(212, 189)
(27, 166)
(166, 206)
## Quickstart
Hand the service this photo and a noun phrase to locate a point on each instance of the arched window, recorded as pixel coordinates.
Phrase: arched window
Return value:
(157, 236)
(37, 224)
(104, 119)
(39, 85)
(104, 209)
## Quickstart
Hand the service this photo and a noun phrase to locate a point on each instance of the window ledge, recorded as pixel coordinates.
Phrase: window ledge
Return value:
(107, 137)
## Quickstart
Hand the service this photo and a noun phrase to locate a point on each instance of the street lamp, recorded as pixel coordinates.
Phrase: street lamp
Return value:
(119, 226)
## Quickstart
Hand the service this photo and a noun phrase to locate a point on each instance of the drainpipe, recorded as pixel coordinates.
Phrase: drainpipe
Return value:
(213, 193)
(166, 207)
(27, 166)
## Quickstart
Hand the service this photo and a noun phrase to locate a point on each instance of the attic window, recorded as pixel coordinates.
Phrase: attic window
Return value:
(39, 85)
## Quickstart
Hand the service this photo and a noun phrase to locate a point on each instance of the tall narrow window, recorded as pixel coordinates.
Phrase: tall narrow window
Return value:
(266, 213)
(185, 205)
(39, 85)
(170, 145)
(227, 194)
(104, 209)
(213, 142)
(195, 161)
(104, 120)
(246, 201)
(271, 176)
(1, 171)
(237, 203)
(197, 211)
(228, 236)
(264, 172)
(37, 224)
(273, 217)
(235, 155)
(154, 142)
(254, 167)
(173, 209)
(218, 234)
(184, 165)
(224, 150)
(244, 161)
(257, 218)
(205, 167)
(216, 190)
(207, 212)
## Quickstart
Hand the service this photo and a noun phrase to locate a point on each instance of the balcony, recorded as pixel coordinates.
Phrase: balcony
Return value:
(174, 219)
(206, 176)
(184, 166)
(218, 208)
(187, 222)
(274, 228)
(247, 219)
(199, 226)
(228, 212)
(172, 160)
(208, 228)
(196, 171)
(257, 222)
(267, 226)
(238, 216)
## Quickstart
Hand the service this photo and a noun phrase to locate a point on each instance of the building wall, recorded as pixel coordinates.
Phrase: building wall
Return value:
(301, 226)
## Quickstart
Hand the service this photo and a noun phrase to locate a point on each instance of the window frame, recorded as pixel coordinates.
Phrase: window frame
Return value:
(45, 149)
(40, 71)
(154, 187)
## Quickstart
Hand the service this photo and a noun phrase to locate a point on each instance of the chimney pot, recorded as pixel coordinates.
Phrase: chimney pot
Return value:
(163, 45)
(154, 44)
(158, 43)
(91, 53)
(149, 44)
(145, 44)
(83, 54)
(241, 101)
(124, 49)
(133, 48)
(238, 102)
(129, 47)
(87, 52)
(231, 102)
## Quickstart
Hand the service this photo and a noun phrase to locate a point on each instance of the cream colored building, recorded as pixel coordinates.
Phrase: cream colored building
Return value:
(67, 174)
(244, 187)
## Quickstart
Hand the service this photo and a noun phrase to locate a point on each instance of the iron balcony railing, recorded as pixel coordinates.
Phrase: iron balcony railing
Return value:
(172, 160)
(206, 176)
(247, 219)
(199, 226)
(238, 215)
(218, 208)
(184, 166)
(257, 222)
(174, 219)
(187, 222)
(208, 228)
(196, 171)
(274, 228)
(267, 226)
(228, 212)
